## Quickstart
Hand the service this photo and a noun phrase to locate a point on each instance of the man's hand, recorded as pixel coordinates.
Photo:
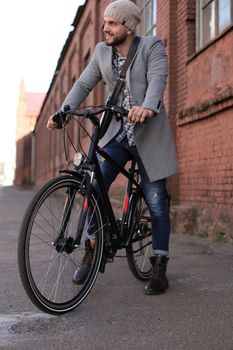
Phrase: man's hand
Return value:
(51, 125)
(56, 120)
(140, 114)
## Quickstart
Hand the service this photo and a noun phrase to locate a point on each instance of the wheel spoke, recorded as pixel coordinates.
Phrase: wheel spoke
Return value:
(47, 257)
(138, 251)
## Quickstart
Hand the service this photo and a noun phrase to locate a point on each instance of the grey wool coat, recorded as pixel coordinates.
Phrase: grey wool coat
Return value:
(146, 78)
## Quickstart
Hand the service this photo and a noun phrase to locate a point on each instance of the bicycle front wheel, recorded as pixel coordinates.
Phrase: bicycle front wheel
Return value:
(47, 255)
(138, 251)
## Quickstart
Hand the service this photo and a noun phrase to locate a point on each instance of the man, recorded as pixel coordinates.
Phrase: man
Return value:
(151, 143)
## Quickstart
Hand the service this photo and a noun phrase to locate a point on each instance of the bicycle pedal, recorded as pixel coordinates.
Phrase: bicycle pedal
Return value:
(104, 261)
(102, 267)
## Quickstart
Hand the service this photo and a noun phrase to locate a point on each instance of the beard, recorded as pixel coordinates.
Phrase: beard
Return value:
(115, 39)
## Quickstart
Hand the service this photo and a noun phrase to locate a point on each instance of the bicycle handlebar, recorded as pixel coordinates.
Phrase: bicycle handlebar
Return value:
(62, 117)
(98, 110)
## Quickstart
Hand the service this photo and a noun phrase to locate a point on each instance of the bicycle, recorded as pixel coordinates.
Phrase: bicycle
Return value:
(61, 215)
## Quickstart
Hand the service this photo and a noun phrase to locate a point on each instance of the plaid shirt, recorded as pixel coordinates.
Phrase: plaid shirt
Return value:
(127, 100)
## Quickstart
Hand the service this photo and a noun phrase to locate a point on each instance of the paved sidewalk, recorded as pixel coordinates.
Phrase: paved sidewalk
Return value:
(195, 313)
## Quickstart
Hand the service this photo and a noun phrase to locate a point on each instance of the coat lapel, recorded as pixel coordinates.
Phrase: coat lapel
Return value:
(108, 64)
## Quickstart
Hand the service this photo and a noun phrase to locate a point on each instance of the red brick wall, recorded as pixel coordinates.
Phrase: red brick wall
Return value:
(206, 162)
(50, 155)
(23, 174)
(198, 99)
(210, 73)
(205, 127)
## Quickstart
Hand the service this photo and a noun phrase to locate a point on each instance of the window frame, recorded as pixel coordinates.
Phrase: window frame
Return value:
(200, 6)
(153, 28)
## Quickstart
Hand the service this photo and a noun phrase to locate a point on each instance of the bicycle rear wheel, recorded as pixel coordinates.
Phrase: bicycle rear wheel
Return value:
(47, 256)
(138, 251)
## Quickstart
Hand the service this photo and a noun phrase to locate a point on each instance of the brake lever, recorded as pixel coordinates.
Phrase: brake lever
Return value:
(120, 112)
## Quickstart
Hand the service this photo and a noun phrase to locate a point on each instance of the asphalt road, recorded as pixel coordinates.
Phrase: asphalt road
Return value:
(195, 313)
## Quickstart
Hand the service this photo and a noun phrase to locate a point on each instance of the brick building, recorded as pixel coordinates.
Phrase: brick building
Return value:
(29, 105)
(198, 37)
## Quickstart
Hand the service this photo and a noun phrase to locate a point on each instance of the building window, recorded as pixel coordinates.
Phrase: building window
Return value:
(148, 10)
(225, 9)
(213, 16)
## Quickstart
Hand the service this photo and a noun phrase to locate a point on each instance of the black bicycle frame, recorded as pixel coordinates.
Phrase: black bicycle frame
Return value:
(95, 178)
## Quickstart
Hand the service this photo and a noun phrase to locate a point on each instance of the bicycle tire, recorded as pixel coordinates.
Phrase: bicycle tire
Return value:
(138, 250)
(46, 272)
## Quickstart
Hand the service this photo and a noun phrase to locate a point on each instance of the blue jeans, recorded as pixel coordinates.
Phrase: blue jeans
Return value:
(155, 193)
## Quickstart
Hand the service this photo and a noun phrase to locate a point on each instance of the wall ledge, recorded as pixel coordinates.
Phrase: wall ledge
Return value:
(206, 108)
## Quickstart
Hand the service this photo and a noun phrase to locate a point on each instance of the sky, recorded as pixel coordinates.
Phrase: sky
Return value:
(32, 35)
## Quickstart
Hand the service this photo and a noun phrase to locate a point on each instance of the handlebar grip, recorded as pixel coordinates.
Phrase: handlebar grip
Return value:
(120, 110)
(67, 108)
(59, 118)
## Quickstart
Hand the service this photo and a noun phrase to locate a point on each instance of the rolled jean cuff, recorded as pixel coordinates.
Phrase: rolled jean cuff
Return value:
(160, 252)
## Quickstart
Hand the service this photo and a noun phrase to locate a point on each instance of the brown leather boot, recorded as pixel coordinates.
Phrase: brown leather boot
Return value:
(81, 272)
(158, 282)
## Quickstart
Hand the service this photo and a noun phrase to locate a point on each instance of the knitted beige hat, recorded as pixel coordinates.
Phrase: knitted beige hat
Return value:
(125, 12)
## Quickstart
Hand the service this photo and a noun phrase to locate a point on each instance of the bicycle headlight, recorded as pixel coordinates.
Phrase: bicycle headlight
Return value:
(78, 158)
